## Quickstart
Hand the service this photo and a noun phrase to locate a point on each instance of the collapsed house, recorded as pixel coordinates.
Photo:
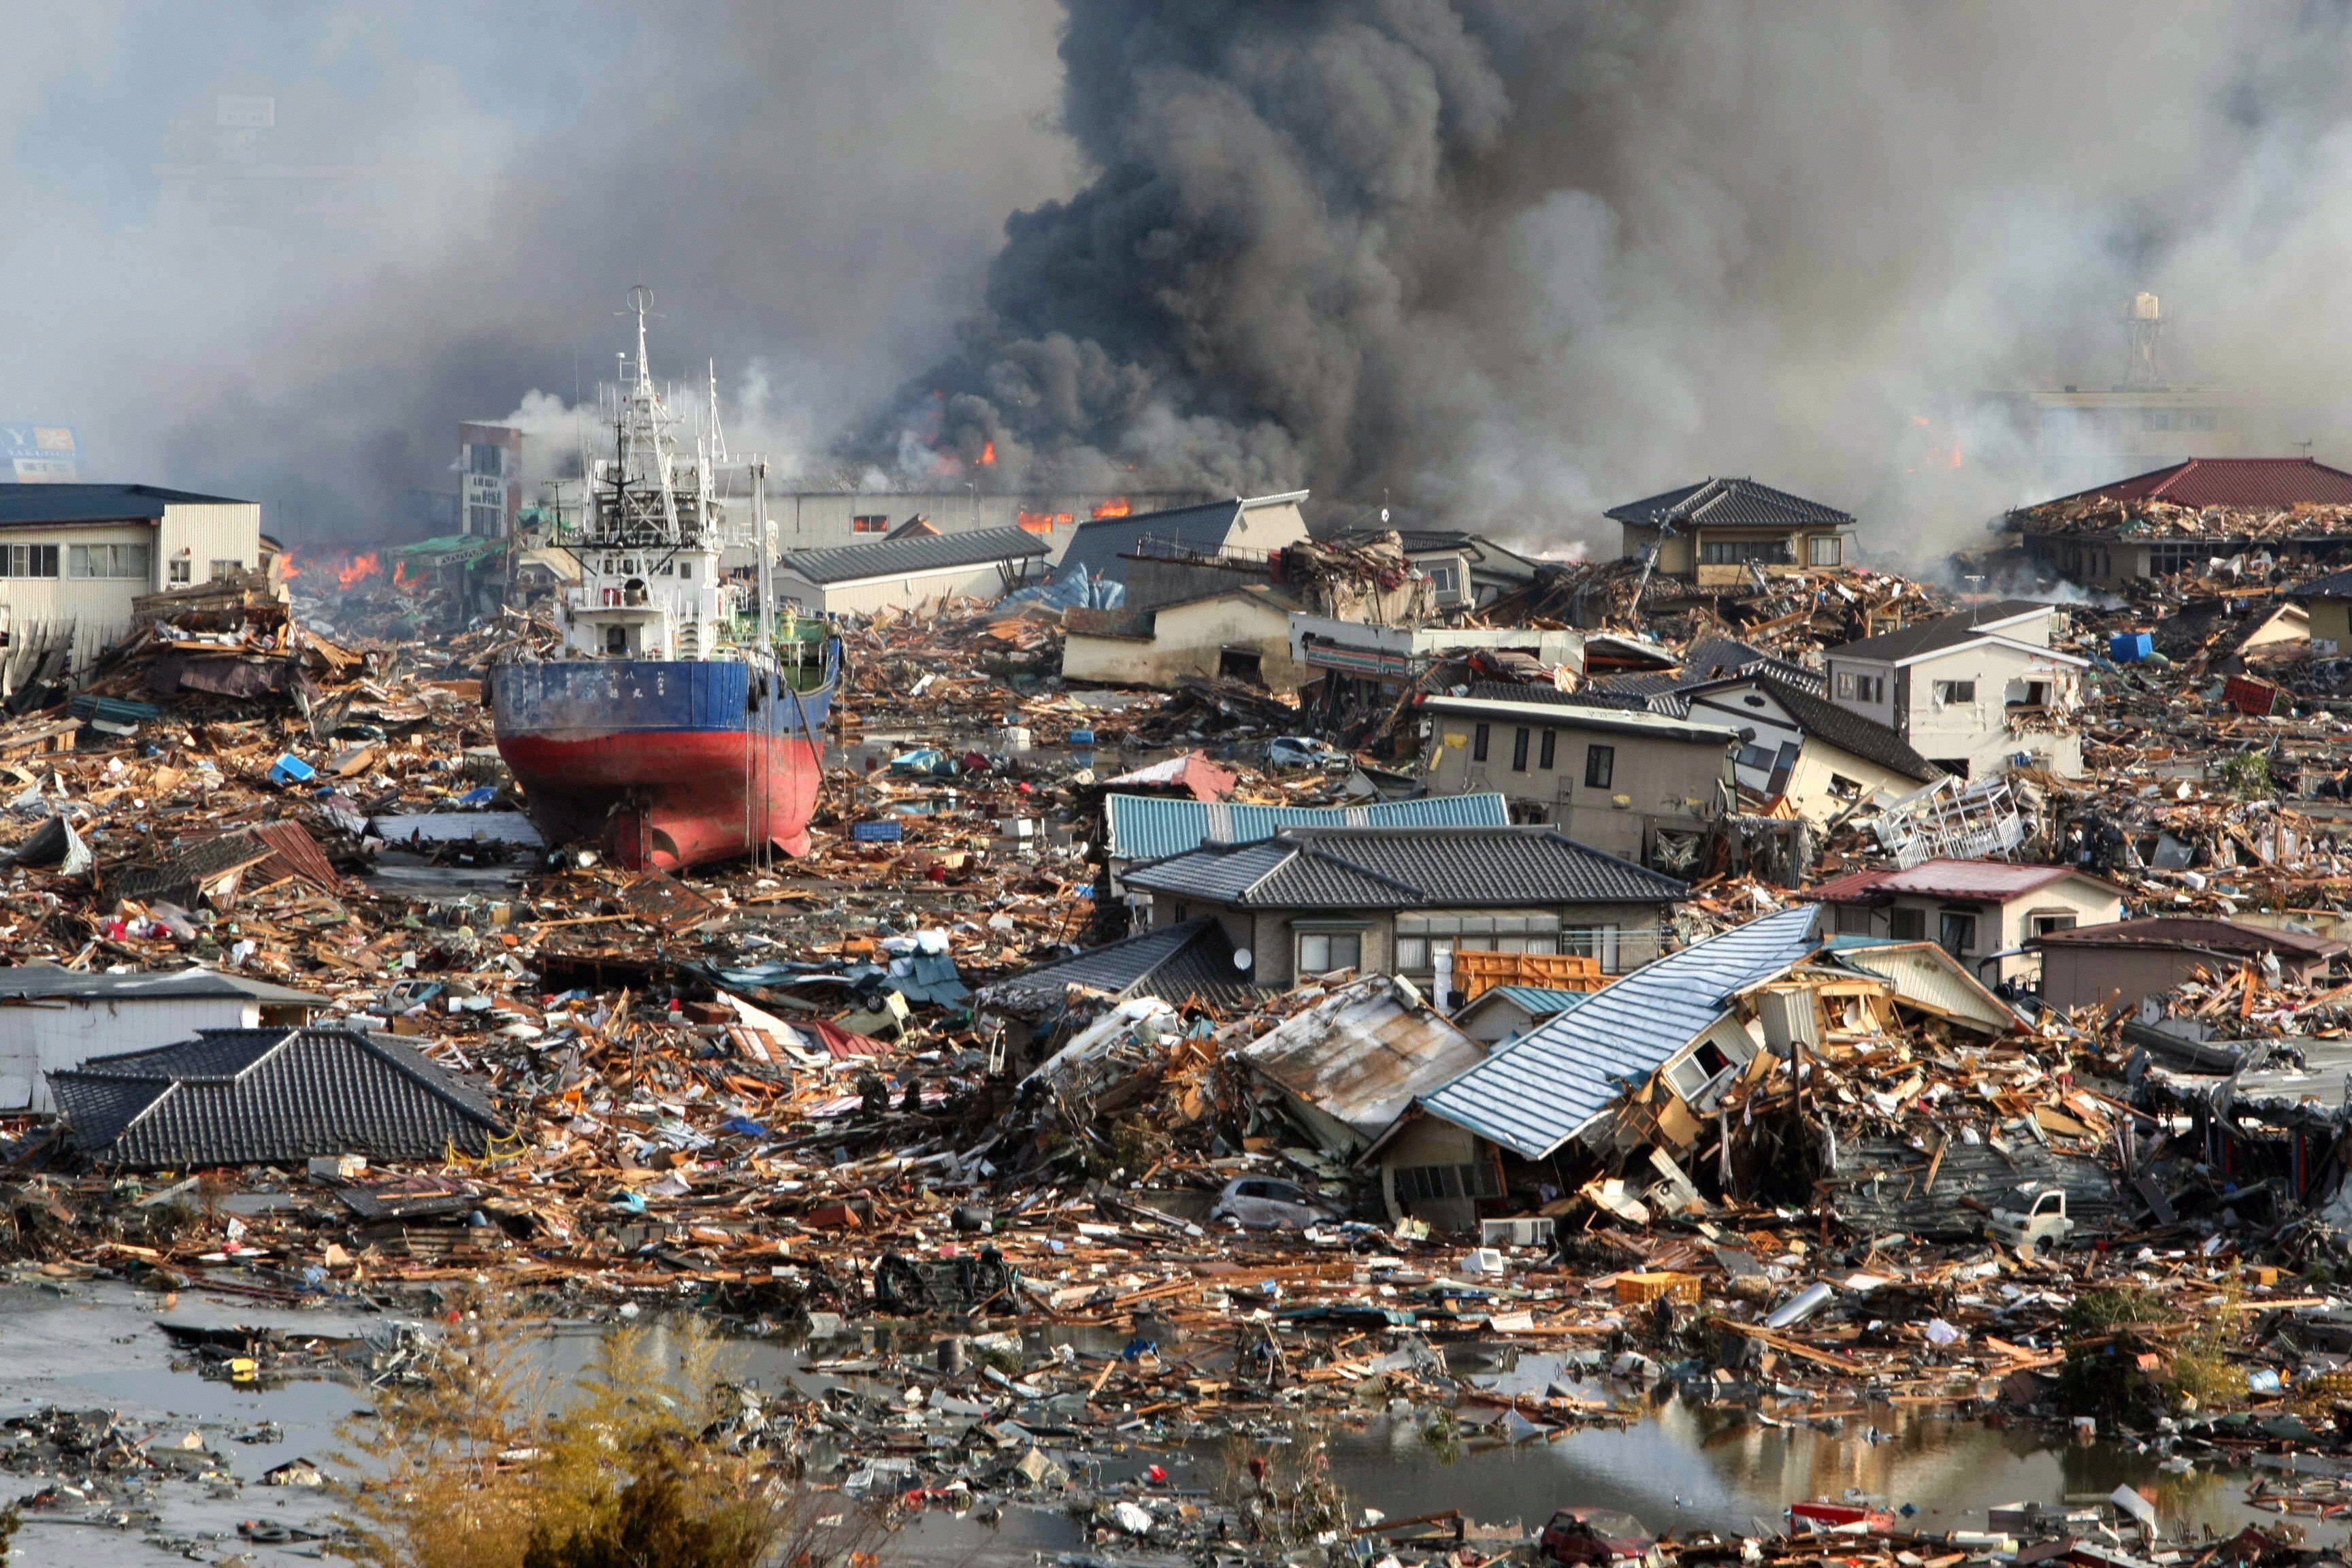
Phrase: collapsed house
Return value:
(1624, 1087)
(1347, 1067)
(2187, 515)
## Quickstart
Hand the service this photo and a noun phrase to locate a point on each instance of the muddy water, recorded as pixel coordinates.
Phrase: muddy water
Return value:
(1681, 1467)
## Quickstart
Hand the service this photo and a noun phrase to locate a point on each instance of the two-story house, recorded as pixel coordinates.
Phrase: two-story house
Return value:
(1976, 692)
(1630, 782)
(1717, 532)
(1980, 912)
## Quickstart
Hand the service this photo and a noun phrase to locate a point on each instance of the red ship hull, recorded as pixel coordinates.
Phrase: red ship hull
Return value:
(667, 801)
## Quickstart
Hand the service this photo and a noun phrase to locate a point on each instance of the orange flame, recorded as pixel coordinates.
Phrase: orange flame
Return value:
(1116, 507)
(988, 456)
(286, 570)
(1044, 521)
(361, 568)
(400, 577)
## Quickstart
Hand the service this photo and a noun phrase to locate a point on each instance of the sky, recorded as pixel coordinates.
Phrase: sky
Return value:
(1503, 263)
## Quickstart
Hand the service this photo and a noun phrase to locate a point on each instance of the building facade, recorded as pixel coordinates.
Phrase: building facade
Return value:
(73, 557)
(1977, 693)
(489, 479)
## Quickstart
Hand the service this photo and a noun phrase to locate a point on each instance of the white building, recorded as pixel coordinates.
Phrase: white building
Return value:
(75, 555)
(1977, 692)
(53, 1018)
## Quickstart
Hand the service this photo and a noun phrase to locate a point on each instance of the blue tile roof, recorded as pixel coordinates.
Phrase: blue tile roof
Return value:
(1146, 827)
(1537, 1093)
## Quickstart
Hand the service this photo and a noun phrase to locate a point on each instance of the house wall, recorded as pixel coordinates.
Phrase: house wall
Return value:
(1812, 787)
(40, 1037)
(903, 591)
(1655, 782)
(2331, 621)
(1998, 925)
(2075, 976)
(1427, 1141)
(1979, 732)
(1272, 935)
(1680, 556)
(99, 607)
(1189, 640)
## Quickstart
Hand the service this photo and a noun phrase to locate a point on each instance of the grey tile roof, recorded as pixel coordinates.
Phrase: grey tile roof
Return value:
(241, 1097)
(1944, 631)
(1098, 545)
(47, 981)
(1841, 727)
(923, 553)
(94, 503)
(1535, 1094)
(2335, 585)
(1404, 868)
(1192, 958)
(1729, 503)
(1147, 828)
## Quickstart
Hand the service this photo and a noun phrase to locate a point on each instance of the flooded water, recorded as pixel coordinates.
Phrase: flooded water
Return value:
(96, 1345)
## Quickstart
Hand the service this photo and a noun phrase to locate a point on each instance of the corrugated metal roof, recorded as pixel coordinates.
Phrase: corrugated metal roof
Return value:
(1407, 867)
(95, 503)
(1146, 827)
(1541, 1000)
(1733, 503)
(2231, 482)
(48, 982)
(926, 553)
(1923, 972)
(1099, 545)
(1360, 1055)
(1535, 1094)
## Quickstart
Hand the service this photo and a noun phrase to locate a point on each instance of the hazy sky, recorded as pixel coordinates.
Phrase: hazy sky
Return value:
(1511, 260)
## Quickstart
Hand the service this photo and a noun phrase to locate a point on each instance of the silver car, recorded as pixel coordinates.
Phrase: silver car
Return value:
(1261, 1202)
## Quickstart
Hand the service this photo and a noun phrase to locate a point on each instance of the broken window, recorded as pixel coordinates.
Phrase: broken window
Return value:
(1519, 749)
(1844, 788)
(1955, 693)
(1907, 925)
(1423, 1182)
(1600, 766)
(1321, 951)
(2028, 694)
(1955, 932)
(1846, 683)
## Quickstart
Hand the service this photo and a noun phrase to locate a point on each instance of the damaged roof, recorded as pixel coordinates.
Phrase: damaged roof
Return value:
(1099, 546)
(1358, 1058)
(2195, 931)
(1729, 503)
(52, 982)
(1148, 828)
(1985, 881)
(1843, 728)
(2226, 482)
(1406, 868)
(1194, 958)
(1923, 637)
(918, 553)
(1534, 1095)
(250, 1096)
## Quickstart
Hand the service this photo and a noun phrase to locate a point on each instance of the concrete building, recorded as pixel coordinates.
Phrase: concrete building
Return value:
(901, 574)
(1400, 900)
(53, 1018)
(2115, 965)
(1980, 912)
(1975, 692)
(489, 479)
(2186, 515)
(1712, 534)
(1637, 785)
(1241, 631)
(1250, 528)
(74, 556)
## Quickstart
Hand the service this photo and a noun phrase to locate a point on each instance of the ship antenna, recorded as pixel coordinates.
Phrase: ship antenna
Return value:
(718, 436)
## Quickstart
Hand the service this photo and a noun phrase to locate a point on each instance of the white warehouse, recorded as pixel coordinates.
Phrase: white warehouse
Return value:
(76, 555)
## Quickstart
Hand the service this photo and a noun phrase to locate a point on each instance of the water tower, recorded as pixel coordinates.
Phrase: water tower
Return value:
(2145, 321)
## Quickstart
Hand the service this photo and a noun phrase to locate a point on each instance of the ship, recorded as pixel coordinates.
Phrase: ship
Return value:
(676, 724)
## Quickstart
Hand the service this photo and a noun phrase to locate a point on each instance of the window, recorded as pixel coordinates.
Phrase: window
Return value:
(616, 639)
(1956, 933)
(1846, 683)
(1421, 937)
(223, 571)
(1844, 788)
(1600, 766)
(483, 521)
(1519, 749)
(1478, 738)
(180, 570)
(29, 561)
(1423, 1182)
(1447, 583)
(1756, 758)
(1826, 549)
(109, 560)
(2028, 694)
(686, 571)
(870, 523)
(2044, 924)
(487, 458)
(1870, 688)
(1321, 951)
(1740, 552)
(1550, 749)
(1955, 693)
(1594, 941)
(1907, 925)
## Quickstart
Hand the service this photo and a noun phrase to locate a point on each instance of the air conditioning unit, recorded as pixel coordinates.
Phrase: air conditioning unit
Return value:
(1533, 1230)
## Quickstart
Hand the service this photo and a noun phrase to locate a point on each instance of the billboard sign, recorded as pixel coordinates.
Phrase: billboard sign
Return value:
(40, 454)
